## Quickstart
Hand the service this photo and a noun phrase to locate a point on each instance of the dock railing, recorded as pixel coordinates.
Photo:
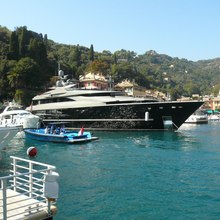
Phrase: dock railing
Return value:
(22, 192)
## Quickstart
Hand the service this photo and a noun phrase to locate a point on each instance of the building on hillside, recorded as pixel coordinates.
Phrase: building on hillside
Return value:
(196, 97)
(207, 102)
(131, 88)
(156, 94)
(183, 98)
(93, 81)
(214, 103)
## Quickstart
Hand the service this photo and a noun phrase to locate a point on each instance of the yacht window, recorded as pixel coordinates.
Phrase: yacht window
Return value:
(52, 100)
(135, 101)
(97, 94)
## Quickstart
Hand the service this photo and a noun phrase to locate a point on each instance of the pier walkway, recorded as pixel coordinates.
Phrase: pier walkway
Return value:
(22, 193)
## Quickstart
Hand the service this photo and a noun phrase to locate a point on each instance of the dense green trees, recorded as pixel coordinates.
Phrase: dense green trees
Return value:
(98, 66)
(23, 64)
(13, 47)
(29, 61)
(91, 53)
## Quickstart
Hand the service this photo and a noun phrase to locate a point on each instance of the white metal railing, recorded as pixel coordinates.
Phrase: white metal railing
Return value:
(26, 181)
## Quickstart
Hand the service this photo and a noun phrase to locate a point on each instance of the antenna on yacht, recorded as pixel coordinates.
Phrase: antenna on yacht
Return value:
(110, 81)
(60, 72)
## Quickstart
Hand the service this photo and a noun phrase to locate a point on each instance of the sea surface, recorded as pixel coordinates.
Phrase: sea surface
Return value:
(134, 175)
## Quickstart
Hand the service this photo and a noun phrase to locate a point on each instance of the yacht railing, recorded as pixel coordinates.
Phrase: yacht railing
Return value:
(26, 185)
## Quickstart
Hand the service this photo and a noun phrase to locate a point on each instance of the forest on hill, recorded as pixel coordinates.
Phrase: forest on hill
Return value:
(29, 64)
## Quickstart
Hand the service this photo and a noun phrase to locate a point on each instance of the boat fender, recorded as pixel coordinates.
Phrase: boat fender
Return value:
(50, 186)
(32, 151)
(146, 116)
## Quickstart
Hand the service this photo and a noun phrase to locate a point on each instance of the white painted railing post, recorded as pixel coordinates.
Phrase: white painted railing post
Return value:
(4, 197)
(14, 172)
(48, 207)
(30, 178)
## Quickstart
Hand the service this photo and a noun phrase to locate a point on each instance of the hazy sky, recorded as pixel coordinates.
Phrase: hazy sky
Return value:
(179, 28)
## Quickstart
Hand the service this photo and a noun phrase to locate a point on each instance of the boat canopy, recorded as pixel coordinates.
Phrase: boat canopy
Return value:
(212, 111)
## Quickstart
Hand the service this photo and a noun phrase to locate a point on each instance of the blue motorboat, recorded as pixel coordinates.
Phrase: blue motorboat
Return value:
(59, 134)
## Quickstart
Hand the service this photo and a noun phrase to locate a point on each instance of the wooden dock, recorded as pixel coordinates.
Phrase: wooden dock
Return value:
(22, 194)
(22, 207)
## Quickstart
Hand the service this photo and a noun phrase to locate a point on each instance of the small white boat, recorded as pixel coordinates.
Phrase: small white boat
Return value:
(14, 115)
(198, 117)
(6, 134)
(214, 117)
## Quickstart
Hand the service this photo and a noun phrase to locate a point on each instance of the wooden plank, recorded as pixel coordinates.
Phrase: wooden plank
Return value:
(23, 207)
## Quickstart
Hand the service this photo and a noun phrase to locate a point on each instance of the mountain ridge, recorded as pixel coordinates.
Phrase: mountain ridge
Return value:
(173, 75)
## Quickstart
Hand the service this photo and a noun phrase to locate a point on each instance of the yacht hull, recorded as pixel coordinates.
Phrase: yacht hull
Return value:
(6, 135)
(133, 116)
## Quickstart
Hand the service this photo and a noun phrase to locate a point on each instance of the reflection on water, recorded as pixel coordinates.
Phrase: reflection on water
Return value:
(165, 140)
(187, 138)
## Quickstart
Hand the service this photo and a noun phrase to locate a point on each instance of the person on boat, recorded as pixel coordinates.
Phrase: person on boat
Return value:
(57, 130)
(46, 130)
(51, 129)
(62, 130)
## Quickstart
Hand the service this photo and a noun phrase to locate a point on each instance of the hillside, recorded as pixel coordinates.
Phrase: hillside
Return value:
(29, 62)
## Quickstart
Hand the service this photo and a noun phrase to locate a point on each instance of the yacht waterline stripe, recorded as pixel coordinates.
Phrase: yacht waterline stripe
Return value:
(106, 119)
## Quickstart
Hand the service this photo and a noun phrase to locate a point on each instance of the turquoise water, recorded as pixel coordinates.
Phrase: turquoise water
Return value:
(134, 175)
